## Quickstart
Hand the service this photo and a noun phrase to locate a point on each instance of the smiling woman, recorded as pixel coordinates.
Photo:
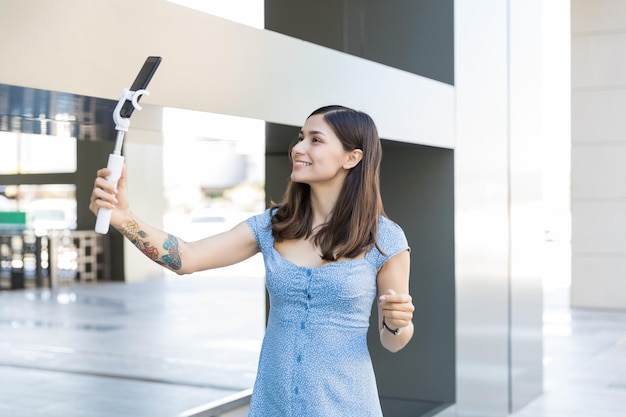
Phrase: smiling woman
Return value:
(336, 164)
(329, 252)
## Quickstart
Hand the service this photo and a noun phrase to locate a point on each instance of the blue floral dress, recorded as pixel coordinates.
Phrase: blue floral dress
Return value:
(314, 361)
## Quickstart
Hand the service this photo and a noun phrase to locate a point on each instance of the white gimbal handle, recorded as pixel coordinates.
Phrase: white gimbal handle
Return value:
(116, 160)
(115, 164)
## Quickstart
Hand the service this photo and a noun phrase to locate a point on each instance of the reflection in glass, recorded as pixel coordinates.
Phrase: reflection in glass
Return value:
(47, 154)
(9, 157)
(24, 153)
(48, 207)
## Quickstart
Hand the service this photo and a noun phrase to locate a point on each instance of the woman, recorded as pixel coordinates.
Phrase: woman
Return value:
(328, 251)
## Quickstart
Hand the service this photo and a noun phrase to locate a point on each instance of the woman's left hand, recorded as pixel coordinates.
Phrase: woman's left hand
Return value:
(397, 309)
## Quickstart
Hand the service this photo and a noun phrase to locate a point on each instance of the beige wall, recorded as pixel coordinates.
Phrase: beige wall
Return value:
(95, 48)
(598, 153)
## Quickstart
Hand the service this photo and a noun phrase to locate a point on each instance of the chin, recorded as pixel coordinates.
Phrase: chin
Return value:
(294, 178)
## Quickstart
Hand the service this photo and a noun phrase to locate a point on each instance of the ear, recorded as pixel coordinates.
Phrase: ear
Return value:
(353, 159)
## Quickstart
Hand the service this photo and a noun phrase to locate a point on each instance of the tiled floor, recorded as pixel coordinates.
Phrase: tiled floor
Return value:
(584, 362)
(160, 347)
(154, 349)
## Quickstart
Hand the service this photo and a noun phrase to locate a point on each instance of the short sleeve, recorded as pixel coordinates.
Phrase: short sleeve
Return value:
(390, 239)
(260, 225)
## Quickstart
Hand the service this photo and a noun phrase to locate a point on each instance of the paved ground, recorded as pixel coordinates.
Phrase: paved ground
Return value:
(584, 361)
(163, 346)
(154, 348)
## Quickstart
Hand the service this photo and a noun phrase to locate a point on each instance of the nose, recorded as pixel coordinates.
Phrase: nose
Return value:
(298, 148)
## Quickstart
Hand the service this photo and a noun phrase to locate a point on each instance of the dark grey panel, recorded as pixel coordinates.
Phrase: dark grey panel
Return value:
(319, 21)
(279, 137)
(417, 185)
(277, 165)
(415, 36)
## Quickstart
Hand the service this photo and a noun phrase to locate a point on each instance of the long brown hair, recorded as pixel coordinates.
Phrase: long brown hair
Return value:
(353, 222)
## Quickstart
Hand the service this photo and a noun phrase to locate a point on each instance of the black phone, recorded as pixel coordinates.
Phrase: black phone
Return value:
(141, 82)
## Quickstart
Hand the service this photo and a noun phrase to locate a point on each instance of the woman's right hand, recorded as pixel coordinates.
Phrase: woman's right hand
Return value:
(106, 195)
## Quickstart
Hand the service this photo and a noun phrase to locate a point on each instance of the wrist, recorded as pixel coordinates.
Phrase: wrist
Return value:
(395, 331)
(128, 226)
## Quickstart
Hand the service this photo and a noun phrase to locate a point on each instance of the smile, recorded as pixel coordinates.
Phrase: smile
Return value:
(302, 164)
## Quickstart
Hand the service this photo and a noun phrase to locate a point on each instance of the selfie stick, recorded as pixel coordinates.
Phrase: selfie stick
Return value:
(116, 160)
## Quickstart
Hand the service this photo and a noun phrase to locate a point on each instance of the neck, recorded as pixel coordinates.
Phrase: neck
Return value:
(322, 203)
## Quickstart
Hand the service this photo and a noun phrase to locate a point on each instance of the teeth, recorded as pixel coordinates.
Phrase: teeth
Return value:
(302, 164)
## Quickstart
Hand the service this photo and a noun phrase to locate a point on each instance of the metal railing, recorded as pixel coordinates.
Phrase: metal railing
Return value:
(58, 258)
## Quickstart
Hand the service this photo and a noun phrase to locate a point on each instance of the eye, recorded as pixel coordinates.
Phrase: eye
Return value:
(315, 139)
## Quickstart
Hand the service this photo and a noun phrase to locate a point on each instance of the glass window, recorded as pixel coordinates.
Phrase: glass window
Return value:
(47, 154)
(9, 160)
(47, 206)
(24, 153)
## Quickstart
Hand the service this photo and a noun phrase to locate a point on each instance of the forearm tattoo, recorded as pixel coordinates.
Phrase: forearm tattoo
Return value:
(139, 238)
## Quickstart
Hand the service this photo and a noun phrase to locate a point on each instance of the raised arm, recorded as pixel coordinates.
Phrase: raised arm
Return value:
(165, 249)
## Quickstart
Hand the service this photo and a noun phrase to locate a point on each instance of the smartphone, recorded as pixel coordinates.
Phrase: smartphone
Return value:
(141, 82)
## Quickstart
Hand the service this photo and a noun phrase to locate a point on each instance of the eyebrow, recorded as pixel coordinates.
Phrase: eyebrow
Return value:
(313, 132)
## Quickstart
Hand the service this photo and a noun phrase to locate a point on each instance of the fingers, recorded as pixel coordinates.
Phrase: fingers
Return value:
(104, 192)
(391, 297)
(396, 308)
(103, 198)
(102, 181)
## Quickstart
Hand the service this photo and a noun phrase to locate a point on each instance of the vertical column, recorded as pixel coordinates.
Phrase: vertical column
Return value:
(143, 150)
(481, 207)
(525, 202)
(497, 195)
(598, 154)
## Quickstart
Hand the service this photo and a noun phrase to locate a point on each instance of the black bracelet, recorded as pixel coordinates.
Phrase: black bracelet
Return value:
(394, 332)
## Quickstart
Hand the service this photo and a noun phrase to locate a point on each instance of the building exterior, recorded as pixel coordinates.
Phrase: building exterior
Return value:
(455, 88)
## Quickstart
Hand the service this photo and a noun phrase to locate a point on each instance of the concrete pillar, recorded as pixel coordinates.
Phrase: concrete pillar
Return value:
(143, 152)
(598, 154)
(497, 191)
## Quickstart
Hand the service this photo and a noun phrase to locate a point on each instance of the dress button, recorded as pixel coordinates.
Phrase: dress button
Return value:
(296, 390)
(302, 325)
(299, 358)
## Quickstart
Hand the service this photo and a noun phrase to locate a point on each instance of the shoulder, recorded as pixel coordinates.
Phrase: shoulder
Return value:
(260, 220)
(261, 226)
(260, 223)
(389, 231)
(390, 241)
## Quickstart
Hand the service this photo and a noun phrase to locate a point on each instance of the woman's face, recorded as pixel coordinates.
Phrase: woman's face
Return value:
(318, 156)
